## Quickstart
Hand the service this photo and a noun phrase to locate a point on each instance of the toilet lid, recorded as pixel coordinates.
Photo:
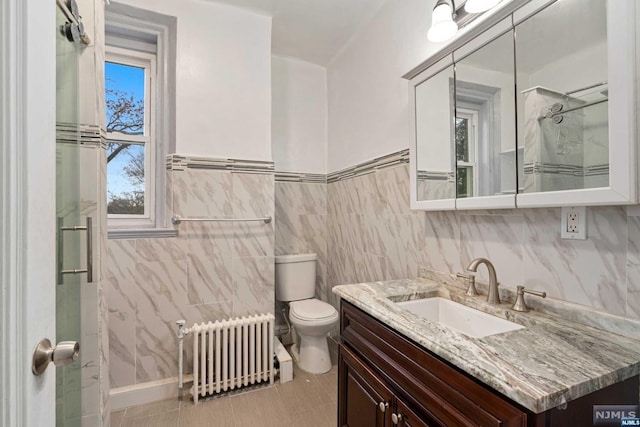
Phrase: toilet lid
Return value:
(310, 309)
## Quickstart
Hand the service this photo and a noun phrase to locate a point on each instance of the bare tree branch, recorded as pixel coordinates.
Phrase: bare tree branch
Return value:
(124, 113)
(135, 169)
(120, 148)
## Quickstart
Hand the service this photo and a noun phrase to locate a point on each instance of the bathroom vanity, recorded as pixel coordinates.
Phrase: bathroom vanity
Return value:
(396, 368)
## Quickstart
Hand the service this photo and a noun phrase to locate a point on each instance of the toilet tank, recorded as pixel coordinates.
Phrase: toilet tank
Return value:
(295, 277)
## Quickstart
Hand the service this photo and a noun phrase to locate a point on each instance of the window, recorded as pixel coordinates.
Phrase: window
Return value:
(140, 118)
(131, 144)
(466, 155)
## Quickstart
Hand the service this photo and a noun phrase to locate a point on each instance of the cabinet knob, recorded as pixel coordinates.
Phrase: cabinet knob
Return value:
(396, 418)
(383, 406)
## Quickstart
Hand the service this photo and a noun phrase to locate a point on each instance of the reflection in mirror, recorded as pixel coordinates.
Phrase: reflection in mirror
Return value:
(563, 97)
(485, 120)
(434, 133)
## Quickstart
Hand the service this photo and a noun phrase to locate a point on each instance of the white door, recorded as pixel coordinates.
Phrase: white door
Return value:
(27, 208)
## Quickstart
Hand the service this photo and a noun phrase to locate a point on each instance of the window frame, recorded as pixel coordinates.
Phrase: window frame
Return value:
(472, 118)
(146, 61)
(141, 30)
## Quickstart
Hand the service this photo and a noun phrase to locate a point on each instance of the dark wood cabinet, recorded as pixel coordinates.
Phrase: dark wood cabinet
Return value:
(367, 400)
(386, 379)
(408, 418)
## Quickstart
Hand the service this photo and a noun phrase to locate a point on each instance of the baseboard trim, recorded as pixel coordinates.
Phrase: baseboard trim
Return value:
(149, 392)
(155, 391)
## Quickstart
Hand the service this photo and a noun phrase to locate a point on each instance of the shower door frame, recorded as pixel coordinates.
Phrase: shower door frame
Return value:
(27, 207)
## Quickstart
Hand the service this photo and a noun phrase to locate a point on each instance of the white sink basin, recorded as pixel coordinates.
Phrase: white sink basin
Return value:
(469, 321)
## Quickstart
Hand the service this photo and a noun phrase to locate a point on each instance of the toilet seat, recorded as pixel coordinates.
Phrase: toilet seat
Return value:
(312, 309)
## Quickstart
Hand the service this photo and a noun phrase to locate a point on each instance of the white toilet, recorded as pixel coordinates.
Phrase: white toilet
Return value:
(311, 318)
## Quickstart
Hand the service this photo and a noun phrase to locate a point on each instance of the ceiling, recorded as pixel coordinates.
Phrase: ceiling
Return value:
(311, 30)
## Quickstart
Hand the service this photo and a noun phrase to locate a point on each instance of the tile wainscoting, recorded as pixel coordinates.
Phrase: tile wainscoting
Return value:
(210, 271)
(301, 227)
(373, 235)
(301, 224)
(360, 224)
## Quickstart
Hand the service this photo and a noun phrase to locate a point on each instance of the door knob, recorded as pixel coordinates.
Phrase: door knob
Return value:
(396, 418)
(383, 406)
(62, 354)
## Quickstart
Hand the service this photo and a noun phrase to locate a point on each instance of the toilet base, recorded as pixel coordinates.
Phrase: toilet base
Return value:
(311, 354)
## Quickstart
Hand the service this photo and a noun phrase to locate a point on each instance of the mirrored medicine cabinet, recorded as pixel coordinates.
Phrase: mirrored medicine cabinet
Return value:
(534, 107)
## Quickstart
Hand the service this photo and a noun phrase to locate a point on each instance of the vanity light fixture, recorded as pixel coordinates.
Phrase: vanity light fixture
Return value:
(442, 25)
(446, 19)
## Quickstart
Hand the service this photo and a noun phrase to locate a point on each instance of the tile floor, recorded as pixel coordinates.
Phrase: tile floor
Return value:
(309, 401)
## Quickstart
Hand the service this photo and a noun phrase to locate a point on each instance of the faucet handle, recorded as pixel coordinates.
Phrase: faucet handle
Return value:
(471, 280)
(520, 304)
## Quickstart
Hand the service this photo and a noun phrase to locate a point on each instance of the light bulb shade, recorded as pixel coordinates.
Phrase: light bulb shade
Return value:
(479, 6)
(442, 25)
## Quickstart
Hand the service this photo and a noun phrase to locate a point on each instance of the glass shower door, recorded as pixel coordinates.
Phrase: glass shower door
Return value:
(77, 384)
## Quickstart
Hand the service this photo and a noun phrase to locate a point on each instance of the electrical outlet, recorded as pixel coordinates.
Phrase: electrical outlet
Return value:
(574, 223)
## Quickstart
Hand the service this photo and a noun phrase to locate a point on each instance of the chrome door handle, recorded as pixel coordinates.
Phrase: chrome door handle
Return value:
(383, 406)
(396, 418)
(89, 229)
(62, 354)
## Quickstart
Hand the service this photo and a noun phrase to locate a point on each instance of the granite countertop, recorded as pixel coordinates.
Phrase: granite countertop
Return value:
(550, 362)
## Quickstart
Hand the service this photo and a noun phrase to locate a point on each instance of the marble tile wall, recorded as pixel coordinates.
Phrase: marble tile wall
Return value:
(301, 225)
(210, 271)
(434, 189)
(373, 235)
(103, 309)
(362, 229)
(555, 157)
(91, 115)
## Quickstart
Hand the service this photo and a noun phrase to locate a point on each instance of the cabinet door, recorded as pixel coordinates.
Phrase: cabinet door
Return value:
(485, 121)
(431, 94)
(364, 400)
(405, 417)
(434, 389)
(576, 102)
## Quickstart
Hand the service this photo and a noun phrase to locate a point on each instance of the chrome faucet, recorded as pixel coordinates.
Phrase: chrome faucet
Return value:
(493, 297)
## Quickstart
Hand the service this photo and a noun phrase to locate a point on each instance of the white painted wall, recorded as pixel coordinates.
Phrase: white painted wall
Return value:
(580, 69)
(368, 99)
(223, 73)
(299, 115)
(90, 68)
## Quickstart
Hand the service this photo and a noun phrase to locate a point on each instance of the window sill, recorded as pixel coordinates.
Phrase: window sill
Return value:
(141, 233)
